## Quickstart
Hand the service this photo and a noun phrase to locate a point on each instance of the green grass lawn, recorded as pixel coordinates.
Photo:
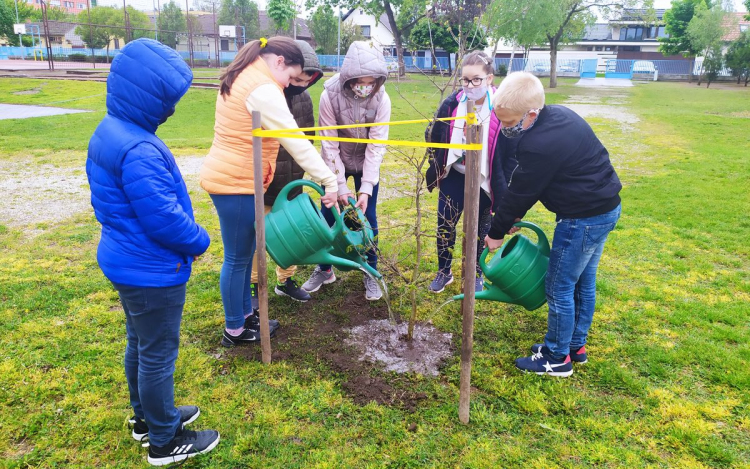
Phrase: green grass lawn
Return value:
(668, 378)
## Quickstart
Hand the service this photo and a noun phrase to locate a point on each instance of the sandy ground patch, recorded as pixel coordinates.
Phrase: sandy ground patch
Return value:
(48, 194)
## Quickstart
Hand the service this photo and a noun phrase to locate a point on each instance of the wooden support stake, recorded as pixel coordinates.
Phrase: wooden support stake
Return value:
(260, 243)
(471, 220)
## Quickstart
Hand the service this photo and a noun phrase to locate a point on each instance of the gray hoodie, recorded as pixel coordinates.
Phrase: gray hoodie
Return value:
(340, 106)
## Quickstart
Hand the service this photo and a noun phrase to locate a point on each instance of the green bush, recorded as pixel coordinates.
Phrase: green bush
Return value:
(502, 70)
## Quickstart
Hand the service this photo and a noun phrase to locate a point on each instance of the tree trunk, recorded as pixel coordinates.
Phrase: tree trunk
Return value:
(747, 77)
(512, 56)
(553, 43)
(396, 37)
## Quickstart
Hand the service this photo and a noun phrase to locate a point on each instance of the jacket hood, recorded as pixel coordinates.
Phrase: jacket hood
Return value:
(312, 65)
(363, 60)
(145, 83)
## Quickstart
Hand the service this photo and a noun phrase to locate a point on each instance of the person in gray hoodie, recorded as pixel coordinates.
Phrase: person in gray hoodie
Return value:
(355, 96)
(287, 170)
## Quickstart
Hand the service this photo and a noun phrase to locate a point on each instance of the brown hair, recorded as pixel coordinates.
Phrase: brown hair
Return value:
(479, 58)
(280, 45)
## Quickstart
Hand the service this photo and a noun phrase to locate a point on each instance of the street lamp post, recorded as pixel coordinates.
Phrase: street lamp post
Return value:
(20, 40)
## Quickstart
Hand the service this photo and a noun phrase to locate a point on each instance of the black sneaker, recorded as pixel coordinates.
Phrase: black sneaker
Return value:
(185, 444)
(247, 336)
(292, 290)
(188, 414)
(253, 322)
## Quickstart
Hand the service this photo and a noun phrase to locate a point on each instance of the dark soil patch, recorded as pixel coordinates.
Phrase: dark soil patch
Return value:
(316, 334)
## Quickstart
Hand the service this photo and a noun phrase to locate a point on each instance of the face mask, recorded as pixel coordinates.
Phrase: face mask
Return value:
(475, 94)
(166, 116)
(293, 90)
(363, 91)
(518, 130)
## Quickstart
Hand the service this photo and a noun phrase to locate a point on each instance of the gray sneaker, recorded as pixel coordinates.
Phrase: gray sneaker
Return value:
(318, 278)
(372, 289)
(441, 281)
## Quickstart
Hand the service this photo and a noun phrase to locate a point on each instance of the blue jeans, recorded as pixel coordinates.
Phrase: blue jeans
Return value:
(450, 208)
(370, 214)
(152, 321)
(571, 279)
(237, 221)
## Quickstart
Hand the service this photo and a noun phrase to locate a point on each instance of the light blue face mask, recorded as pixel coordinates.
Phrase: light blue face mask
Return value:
(475, 98)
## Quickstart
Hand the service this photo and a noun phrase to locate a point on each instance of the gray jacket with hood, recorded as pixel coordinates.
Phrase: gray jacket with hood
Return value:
(340, 106)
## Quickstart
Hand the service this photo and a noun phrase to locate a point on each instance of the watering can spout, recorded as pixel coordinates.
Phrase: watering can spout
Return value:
(328, 258)
(491, 293)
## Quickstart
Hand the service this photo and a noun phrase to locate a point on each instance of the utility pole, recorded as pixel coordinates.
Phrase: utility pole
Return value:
(190, 33)
(156, 23)
(46, 35)
(127, 21)
(91, 33)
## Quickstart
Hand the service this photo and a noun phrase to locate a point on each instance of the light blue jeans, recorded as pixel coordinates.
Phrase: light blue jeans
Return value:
(237, 221)
(571, 279)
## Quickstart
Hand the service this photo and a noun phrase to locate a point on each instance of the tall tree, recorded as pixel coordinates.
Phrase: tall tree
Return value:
(282, 12)
(705, 32)
(430, 35)
(241, 13)
(324, 27)
(676, 21)
(738, 57)
(518, 22)
(171, 23)
(108, 20)
(140, 24)
(401, 15)
(461, 17)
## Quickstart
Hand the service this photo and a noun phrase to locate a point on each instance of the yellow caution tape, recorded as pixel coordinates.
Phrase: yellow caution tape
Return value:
(295, 133)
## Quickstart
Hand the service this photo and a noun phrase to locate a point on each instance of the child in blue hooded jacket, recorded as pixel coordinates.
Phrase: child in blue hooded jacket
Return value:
(149, 239)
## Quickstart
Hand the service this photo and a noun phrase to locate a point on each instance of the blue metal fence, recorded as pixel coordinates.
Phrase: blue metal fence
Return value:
(538, 66)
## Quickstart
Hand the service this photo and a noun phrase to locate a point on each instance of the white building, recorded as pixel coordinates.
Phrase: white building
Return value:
(377, 31)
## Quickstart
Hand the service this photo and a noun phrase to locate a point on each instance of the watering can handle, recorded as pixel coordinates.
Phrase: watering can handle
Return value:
(283, 198)
(543, 243)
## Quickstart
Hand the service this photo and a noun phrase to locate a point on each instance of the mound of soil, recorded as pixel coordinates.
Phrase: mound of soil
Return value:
(324, 331)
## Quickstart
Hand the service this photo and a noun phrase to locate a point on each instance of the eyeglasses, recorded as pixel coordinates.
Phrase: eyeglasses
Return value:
(474, 81)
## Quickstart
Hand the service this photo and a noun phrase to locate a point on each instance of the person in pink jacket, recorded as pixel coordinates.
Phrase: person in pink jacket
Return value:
(355, 96)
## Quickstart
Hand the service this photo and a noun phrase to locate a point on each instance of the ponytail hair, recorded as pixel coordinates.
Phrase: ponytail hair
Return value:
(279, 45)
(479, 58)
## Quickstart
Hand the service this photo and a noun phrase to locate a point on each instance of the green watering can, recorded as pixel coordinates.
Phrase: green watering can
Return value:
(355, 238)
(516, 275)
(297, 234)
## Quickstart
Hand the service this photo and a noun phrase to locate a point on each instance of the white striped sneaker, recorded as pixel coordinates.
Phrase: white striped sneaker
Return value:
(185, 444)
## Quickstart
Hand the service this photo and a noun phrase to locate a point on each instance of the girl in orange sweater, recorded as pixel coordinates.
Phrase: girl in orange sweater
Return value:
(253, 81)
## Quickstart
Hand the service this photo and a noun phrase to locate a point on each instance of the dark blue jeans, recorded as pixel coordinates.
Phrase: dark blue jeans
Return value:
(370, 214)
(152, 321)
(237, 221)
(571, 279)
(450, 208)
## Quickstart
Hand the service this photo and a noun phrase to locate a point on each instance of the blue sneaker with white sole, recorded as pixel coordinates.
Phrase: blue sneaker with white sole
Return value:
(577, 355)
(542, 363)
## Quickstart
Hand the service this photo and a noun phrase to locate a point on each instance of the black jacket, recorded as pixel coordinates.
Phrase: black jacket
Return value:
(287, 170)
(503, 161)
(563, 164)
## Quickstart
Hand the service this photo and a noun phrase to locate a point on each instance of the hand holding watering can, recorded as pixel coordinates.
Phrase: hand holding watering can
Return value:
(495, 244)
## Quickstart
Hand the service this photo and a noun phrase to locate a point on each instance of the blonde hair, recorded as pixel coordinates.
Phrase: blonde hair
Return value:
(519, 92)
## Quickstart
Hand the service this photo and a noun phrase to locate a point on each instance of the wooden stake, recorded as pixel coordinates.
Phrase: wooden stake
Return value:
(471, 220)
(260, 243)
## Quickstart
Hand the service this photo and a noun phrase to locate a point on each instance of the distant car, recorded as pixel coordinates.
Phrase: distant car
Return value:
(644, 66)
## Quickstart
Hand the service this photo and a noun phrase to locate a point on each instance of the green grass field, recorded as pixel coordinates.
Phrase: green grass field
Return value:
(668, 378)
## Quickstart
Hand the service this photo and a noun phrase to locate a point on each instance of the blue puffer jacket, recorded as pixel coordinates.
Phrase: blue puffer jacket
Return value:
(149, 235)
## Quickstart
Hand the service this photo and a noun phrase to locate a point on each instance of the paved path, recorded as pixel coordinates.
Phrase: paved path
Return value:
(604, 82)
(18, 111)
